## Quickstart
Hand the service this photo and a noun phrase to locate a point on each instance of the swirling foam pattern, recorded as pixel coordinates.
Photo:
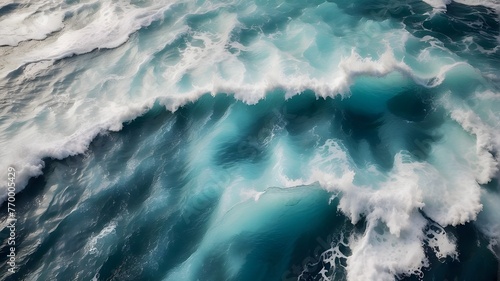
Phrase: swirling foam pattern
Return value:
(252, 140)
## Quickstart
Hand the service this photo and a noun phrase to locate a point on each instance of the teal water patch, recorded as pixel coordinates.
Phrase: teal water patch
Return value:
(184, 195)
(134, 207)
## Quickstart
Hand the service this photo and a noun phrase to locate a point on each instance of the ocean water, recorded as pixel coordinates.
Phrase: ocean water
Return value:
(250, 140)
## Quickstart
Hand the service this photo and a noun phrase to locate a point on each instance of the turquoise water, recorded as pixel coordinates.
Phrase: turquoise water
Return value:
(251, 140)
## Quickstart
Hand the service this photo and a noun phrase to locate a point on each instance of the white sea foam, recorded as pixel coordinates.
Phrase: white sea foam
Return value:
(111, 27)
(488, 95)
(20, 27)
(494, 4)
(442, 243)
(380, 256)
(84, 27)
(92, 246)
(438, 5)
(487, 141)
(27, 160)
(392, 244)
(489, 220)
